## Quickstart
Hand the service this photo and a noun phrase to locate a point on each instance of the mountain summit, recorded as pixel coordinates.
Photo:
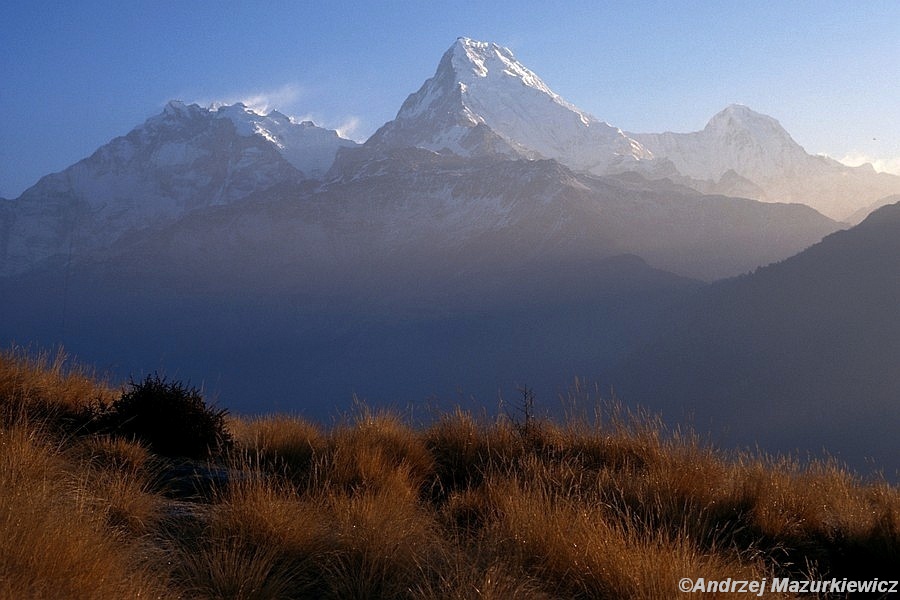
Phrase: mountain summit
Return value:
(737, 138)
(185, 158)
(741, 152)
(481, 100)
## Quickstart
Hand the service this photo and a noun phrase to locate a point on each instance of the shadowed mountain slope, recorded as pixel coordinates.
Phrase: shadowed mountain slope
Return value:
(800, 354)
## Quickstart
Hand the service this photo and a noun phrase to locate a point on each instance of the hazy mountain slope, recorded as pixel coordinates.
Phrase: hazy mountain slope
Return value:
(183, 159)
(259, 351)
(864, 212)
(405, 274)
(741, 152)
(444, 221)
(801, 354)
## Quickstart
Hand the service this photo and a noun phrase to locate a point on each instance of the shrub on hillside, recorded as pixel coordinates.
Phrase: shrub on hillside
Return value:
(171, 418)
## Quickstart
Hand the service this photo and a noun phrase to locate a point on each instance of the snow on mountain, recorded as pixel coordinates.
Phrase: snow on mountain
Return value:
(753, 145)
(481, 103)
(742, 152)
(481, 100)
(310, 149)
(185, 158)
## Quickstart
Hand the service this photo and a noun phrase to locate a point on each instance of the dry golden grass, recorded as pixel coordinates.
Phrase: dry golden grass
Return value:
(377, 452)
(383, 548)
(583, 551)
(606, 506)
(278, 438)
(258, 541)
(54, 539)
(46, 387)
(618, 509)
(278, 444)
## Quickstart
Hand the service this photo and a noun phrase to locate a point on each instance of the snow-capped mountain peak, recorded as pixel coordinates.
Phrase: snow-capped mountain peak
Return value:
(487, 59)
(738, 139)
(185, 158)
(753, 145)
(759, 127)
(746, 153)
(309, 148)
(178, 109)
(482, 100)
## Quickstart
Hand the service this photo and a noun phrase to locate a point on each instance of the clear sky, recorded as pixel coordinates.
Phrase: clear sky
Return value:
(73, 75)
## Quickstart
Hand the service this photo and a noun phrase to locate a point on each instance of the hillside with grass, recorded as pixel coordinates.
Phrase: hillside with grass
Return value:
(105, 492)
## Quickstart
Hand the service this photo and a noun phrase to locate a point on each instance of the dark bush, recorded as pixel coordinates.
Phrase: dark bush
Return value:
(171, 418)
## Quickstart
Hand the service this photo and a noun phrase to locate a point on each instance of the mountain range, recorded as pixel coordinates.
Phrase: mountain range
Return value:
(481, 102)
(491, 234)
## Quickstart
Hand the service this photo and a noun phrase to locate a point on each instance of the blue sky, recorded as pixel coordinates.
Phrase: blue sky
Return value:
(73, 75)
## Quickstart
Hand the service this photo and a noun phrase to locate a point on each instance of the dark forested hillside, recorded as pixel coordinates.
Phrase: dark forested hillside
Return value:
(801, 354)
